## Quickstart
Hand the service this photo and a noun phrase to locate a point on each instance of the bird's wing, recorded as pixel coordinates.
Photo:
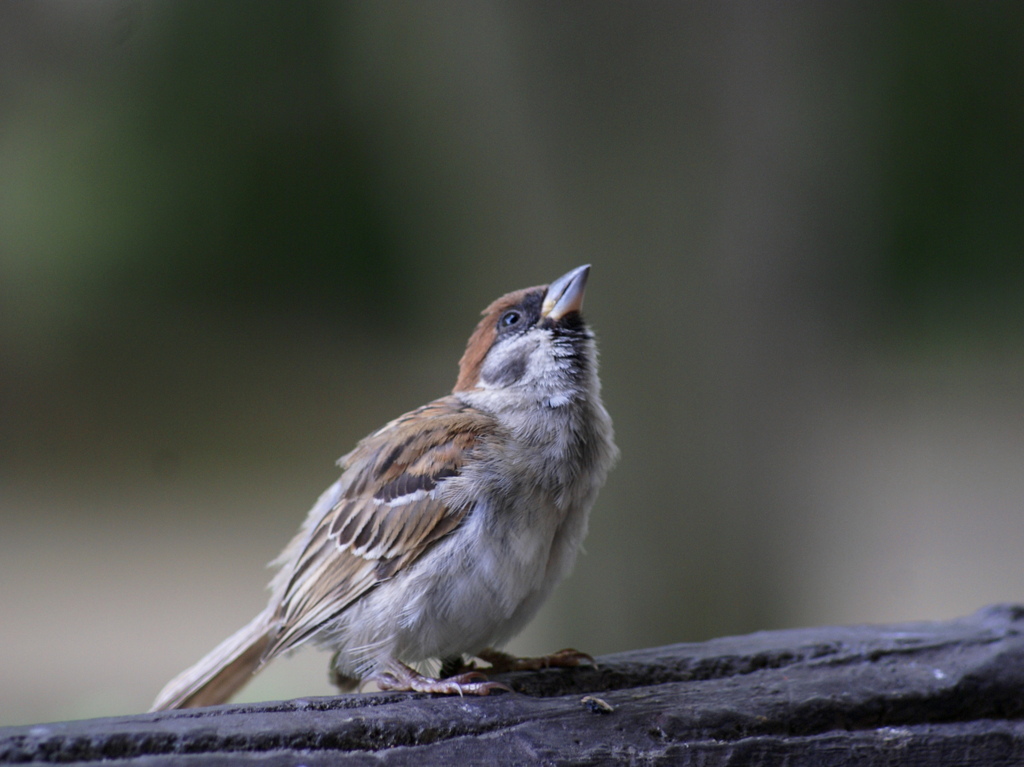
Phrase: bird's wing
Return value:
(389, 512)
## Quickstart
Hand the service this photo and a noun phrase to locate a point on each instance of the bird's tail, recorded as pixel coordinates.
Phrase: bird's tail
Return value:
(223, 671)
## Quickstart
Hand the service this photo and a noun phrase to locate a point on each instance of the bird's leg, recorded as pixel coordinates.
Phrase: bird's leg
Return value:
(567, 658)
(395, 675)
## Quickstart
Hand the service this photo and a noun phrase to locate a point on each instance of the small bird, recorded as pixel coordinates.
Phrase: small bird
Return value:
(450, 525)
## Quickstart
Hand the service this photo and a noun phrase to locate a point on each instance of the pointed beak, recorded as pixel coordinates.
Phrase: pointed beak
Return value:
(565, 294)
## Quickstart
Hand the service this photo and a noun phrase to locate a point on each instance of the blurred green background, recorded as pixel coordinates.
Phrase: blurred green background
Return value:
(236, 238)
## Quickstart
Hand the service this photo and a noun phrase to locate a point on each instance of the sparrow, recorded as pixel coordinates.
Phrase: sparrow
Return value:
(450, 525)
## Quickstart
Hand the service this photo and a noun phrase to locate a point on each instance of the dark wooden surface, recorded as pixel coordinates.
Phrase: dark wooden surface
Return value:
(912, 694)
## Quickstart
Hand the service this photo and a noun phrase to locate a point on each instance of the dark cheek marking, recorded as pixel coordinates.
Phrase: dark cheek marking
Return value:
(508, 373)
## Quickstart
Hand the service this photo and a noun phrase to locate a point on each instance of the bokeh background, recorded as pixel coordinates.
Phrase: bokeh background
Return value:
(236, 238)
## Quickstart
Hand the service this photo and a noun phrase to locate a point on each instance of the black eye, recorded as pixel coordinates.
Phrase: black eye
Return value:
(508, 319)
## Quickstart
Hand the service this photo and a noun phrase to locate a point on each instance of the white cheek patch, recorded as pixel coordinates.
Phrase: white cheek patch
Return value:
(534, 364)
(511, 361)
(505, 369)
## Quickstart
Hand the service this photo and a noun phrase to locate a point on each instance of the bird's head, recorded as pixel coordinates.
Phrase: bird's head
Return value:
(533, 342)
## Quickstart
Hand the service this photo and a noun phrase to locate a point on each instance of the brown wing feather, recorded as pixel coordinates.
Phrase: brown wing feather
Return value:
(389, 514)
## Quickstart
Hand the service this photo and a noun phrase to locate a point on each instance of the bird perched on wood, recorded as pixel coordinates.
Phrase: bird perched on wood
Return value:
(450, 525)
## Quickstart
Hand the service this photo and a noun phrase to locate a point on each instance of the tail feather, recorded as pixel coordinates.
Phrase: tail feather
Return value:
(222, 672)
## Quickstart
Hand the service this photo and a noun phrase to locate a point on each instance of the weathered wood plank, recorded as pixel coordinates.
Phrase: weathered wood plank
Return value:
(912, 694)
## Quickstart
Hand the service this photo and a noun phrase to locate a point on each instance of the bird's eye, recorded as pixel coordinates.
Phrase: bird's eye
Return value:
(508, 319)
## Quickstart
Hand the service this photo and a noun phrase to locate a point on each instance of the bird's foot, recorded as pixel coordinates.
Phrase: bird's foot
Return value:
(397, 676)
(567, 658)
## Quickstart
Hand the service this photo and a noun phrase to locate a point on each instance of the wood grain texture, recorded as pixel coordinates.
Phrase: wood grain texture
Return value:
(912, 694)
